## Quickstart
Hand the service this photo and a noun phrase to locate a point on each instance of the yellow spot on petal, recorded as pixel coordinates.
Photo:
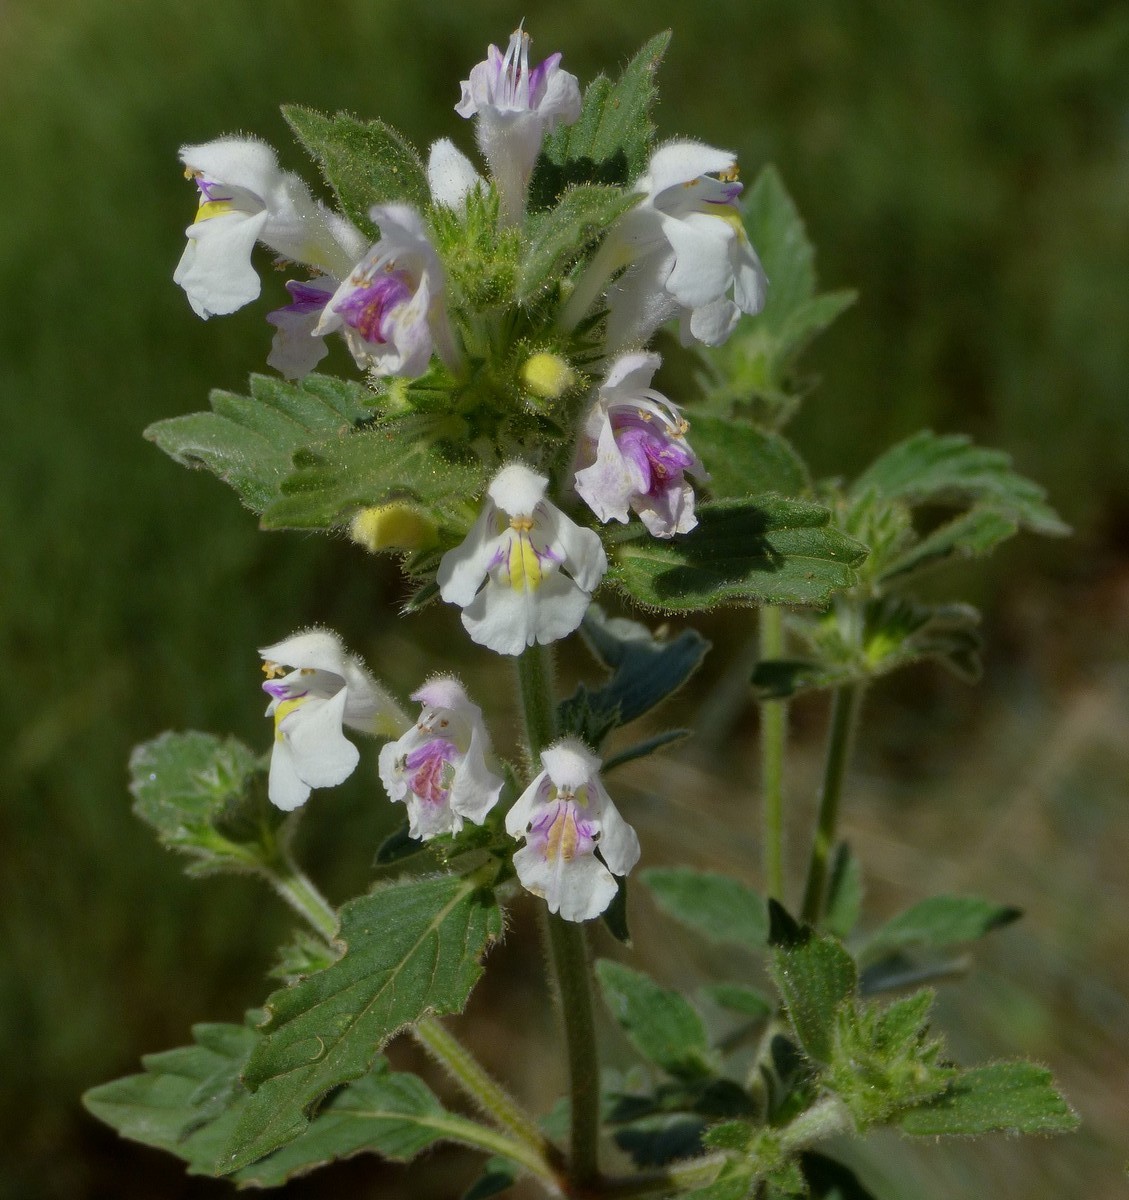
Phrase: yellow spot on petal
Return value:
(284, 709)
(524, 565)
(562, 838)
(213, 208)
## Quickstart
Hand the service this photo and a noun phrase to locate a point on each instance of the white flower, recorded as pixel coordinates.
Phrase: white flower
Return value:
(325, 689)
(450, 175)
(634, 453)
(516, 107)
(438, 768)
(520, 547)
(246, 198)
(565, 817)
(390, 307)
(688, 250)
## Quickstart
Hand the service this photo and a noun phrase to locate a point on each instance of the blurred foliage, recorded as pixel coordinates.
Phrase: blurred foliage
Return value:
(966, 168)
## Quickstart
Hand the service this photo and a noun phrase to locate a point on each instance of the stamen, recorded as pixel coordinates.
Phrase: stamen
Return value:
(273, 670)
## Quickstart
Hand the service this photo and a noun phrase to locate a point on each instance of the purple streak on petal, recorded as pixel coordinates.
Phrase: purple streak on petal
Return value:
(429, 772)
(539, 76)
(659, 457)
(307, 297)
(210, 189)
(586, 831)
(367, 309)
(281, 691)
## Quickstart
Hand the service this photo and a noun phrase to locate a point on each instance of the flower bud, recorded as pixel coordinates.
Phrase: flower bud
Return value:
(392, 527)
(547, 375)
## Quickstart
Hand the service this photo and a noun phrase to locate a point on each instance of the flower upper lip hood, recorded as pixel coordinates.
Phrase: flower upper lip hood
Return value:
(687, 250)
(246, 198)
(634, 454)
(326, 689)
(565, 816)
(508, 575)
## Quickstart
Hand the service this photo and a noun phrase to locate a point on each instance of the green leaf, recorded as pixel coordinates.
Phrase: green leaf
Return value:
(937, 923)
(249, 441)
(189, 1100)
(782, 678)
(970, 535)
(303, 955)
(744, 461)
(721, 908)
(663, 1026)
(398, 460)
(365, 162)
(816, 978)
(1010, 1097)
(558, 237)
(206, 797)
(498, 1175)
(766, 551)
(929, 468)
(611, 141)
(746, 1001)
(645, 748)
(828, 1179)
(411, 948)
(646, 669)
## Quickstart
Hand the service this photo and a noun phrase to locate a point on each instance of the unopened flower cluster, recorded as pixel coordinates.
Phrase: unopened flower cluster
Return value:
(525, 571)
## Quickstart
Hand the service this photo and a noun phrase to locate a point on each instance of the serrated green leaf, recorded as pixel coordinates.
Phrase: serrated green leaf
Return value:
(721, 908)
(645, 670)
(937, 923)
(930, 468)
(744, 461)
(365, 162)
(558, 237)
(249, 441)
(189, 1100)
(205, 797)
(816, 977)
(970, 535)
(411, 948)
(303, 955)
(610, 143)
(1010, 1097)
(782, 678)
(398, 460)
(765, 551)
(663, 1026)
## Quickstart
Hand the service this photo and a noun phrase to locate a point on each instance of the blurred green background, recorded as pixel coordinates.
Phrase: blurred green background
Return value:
(966, 167)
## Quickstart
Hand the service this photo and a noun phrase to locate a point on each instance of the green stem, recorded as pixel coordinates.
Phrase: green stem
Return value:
(470, 1075)
(535, 678)
(844, 713)
(299, 891)
(678, 1177)
(482, 1137)
(574, 982)
(774, 731)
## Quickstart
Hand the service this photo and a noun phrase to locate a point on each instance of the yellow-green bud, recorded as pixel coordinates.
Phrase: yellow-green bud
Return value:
(547, 375)
(392, 527)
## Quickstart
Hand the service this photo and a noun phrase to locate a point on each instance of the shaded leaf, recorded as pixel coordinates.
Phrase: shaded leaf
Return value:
(365, 162)
(721, 908)
(645, 748)
(398, 460)
(844, 893)
(767, 551)
(249, 441)
(411, 948)
(663, 1026)
(559, 236)
(746, 1001)
(970, 535)
(938, 923)
(828, 1179)
(1010, 1097)
(744, 461)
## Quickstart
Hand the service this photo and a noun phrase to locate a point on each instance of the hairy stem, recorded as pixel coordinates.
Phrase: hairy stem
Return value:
(494, 1101)
(535, 679)
(844, 713)
(299, 891)
(774, 728)
(569, 949)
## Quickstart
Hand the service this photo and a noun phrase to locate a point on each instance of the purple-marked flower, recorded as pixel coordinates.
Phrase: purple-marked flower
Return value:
(508, 575)
(295, 351)
(565, 817)
(390, 307)
(688, 250)
(438, 768)
(634, 452)
(517, 106)
(246, 198)
(325, 689)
